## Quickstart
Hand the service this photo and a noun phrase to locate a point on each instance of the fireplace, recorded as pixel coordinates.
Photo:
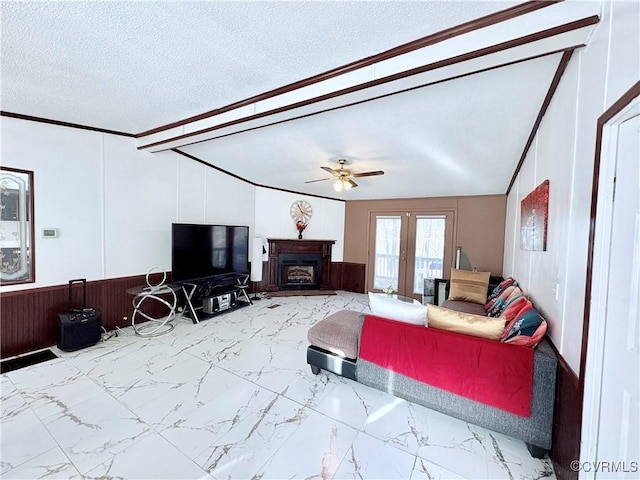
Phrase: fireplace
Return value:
(299, 264)
(299, 271)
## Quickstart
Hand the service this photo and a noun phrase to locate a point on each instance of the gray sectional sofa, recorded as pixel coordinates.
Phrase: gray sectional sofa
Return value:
(326, 351)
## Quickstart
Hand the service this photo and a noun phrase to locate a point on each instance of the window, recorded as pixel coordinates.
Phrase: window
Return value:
(16, 226)
(429, 257)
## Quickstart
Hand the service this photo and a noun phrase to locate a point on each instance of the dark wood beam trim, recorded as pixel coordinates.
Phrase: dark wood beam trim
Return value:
(199, 160)
(64, 124)
(380, 81)
(478, 23)
(226, 172)
(562, 66)
(417, 87)
(196, 159)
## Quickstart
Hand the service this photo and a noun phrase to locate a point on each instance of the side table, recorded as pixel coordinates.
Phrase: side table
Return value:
(155, 326)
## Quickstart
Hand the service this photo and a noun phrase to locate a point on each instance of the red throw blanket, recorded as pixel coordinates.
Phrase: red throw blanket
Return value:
(490, 372)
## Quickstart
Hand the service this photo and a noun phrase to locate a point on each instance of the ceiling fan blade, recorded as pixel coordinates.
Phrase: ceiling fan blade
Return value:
(320, 180)
(330, 170)
(368, 174)
(350, 182)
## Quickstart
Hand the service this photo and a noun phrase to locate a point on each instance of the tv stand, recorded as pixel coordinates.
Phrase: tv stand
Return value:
(210, 297)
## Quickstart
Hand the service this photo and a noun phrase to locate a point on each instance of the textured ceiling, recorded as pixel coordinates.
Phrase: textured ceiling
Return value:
(132, 66)
(137, 65)
(470, 143)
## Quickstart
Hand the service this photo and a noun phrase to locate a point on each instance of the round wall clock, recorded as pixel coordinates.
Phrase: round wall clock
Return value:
(301, 211)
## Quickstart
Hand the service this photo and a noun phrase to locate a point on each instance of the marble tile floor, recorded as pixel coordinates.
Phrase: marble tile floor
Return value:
(233, 397)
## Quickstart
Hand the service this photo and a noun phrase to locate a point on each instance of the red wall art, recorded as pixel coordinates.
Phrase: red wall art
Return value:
(534, 212)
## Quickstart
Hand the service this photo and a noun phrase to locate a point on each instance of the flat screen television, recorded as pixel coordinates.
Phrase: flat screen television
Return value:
(204, 251)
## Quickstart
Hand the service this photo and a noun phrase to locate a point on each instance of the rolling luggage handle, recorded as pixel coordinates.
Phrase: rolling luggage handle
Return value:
(79, 327)
(84, 295)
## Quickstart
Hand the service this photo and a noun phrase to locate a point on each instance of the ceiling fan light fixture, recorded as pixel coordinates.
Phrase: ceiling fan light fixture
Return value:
(343, 177)
(342, 183)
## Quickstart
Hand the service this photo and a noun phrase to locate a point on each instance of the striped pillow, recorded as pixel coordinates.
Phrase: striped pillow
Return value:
(469, 286)
(503, 300)
(497, 292)
(515, 307)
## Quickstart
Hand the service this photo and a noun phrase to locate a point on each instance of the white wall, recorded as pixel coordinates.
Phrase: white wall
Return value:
(273, 219)
(114, 205)
(139, 205)
(67, 195)
(563, 152)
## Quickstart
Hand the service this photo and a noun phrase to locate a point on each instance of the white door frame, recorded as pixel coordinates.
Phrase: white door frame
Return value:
(592, 370)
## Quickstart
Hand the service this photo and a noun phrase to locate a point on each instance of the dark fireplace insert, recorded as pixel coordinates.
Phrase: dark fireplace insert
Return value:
(299, 271)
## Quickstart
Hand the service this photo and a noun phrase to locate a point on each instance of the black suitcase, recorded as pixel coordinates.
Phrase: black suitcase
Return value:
(79, 327)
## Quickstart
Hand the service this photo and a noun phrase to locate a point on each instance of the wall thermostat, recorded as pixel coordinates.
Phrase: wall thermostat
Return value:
(49, 233)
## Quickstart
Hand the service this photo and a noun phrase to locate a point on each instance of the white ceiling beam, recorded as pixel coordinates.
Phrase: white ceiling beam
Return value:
(520, 27)
(296, 106)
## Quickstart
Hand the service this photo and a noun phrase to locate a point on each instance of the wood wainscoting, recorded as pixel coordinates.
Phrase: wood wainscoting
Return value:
(30, 317)
(353, 277)
(567, 421)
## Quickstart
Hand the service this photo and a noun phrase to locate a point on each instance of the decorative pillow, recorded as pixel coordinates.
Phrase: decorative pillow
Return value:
(497, 308)
(517, 291)
(507, 282)
(500, 303)
(466, 323)
(497, 294)
(469, 286)
(526, 329)
(387, 306)
(515, 307)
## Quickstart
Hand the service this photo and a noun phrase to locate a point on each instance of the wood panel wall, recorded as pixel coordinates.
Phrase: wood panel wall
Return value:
(335, 280)
(567, 423)
(353, 277)
(29, 317)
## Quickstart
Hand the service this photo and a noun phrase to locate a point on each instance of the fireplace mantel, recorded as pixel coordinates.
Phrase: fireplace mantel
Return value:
(289, 245)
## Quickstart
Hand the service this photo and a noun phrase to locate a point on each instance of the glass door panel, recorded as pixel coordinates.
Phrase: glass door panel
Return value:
(386, 265)
(407, 247)
(429, 249)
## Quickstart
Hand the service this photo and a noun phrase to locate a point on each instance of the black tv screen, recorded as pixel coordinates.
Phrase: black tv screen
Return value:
(203, 251)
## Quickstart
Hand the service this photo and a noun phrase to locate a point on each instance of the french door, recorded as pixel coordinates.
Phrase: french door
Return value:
(407, 247)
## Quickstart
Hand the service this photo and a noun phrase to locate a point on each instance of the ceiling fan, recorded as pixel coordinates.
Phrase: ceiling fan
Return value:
(344, 177)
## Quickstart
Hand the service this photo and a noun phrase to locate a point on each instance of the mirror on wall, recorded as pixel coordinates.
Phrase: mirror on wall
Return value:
(16, 226)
